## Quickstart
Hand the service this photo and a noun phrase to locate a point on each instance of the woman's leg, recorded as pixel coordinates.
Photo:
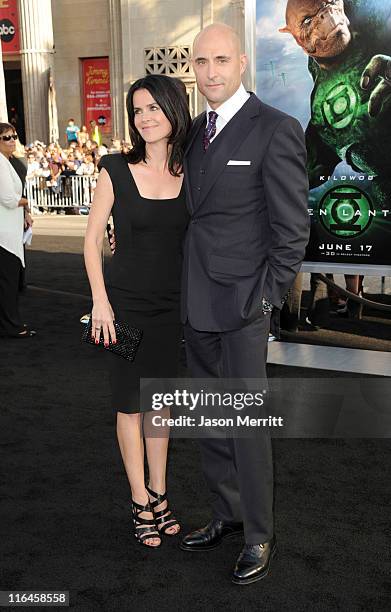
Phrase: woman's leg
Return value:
(131, 445)
(157, 447)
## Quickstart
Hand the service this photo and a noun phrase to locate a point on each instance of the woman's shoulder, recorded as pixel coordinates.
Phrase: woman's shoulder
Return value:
(112, 162)
(4, 161)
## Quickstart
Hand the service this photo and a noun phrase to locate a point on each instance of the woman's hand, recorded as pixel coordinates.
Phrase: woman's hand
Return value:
(23, 202)
(28, 220)
(103, 321)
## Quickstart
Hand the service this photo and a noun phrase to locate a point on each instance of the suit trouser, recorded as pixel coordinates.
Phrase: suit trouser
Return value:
(10, 266)
(238, 470)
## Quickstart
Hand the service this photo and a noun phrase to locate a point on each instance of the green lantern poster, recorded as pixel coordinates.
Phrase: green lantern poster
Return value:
(328, 63)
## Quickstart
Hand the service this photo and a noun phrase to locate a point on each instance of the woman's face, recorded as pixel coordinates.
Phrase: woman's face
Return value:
(149, 119)
(7, 143)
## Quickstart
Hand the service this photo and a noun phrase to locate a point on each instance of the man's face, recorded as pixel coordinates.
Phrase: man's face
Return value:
(218, 66)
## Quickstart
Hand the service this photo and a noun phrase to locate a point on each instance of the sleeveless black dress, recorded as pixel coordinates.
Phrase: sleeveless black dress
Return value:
(143, 281)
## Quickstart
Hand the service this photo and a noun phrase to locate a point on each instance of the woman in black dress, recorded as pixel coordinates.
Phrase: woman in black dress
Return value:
(144, 191)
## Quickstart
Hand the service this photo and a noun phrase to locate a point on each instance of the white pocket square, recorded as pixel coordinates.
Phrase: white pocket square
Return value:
(238, 162)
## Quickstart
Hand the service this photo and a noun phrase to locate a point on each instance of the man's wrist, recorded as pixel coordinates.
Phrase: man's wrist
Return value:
(266, 306)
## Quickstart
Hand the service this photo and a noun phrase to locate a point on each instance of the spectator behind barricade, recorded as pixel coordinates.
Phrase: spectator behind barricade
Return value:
(44, 172)
(69, 170)
(87, 168)
(79, 157)
(56, 167)
(95, 133)
(125, 147)
(115, 146)
(69, 167)
(71, 131)
(83, 136)
(89, 146)
(101, 151)
(33, 166)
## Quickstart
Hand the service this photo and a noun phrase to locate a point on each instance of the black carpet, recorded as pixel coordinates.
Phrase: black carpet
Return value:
(65, 520)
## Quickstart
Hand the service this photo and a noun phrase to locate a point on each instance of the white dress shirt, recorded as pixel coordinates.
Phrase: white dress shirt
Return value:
(228, 109)
(11, 215)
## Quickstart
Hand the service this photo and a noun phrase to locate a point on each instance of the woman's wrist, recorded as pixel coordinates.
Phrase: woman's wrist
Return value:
(99, 298)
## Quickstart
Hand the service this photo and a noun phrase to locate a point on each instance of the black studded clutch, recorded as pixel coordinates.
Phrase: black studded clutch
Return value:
(128, 340)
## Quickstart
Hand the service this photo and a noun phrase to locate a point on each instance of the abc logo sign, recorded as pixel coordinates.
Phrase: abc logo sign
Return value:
(7, 30)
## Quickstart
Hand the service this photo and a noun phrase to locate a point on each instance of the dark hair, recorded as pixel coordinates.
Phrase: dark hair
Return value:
(170, 94)
(6, 127)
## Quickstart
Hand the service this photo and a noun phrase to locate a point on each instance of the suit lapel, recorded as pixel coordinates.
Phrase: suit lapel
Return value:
(223, 148)
(197, 123)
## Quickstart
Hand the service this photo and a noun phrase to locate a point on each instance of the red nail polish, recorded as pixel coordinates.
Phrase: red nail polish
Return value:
(96, 341)
(106, 344)
(114, 341)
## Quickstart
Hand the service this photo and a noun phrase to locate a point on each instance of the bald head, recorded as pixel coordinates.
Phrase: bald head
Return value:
(219, 30)
(218, 63)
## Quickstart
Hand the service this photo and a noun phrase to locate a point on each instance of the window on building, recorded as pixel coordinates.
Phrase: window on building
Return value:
(173, 61)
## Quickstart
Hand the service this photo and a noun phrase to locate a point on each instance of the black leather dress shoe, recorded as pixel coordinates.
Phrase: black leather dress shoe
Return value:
(211, 536)
(254, 562)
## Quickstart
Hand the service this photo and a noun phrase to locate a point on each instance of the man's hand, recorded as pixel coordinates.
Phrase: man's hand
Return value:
(377, 78)
(112, 240)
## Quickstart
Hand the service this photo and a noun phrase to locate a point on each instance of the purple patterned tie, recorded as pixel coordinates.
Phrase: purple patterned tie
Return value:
(210, 129)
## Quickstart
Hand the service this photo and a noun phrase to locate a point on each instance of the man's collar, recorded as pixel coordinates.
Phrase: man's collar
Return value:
(230, 107)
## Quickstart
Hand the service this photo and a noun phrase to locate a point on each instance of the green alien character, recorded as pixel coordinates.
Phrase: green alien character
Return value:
(349, 49)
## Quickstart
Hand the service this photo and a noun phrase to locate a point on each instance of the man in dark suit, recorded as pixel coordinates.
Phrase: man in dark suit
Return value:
(247, 189)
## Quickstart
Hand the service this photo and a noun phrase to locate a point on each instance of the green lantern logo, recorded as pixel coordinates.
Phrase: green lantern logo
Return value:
(339, 106)
(345, 212)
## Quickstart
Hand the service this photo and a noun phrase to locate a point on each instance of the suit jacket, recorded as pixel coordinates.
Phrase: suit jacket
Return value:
(249, 224)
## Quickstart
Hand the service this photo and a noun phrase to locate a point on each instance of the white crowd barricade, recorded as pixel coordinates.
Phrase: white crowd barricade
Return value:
(69, 192)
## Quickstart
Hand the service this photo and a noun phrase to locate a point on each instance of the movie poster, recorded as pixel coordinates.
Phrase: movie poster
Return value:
(96, 92)
(328, 63)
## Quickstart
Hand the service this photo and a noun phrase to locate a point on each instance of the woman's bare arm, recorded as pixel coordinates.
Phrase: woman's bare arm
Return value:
(102, 313)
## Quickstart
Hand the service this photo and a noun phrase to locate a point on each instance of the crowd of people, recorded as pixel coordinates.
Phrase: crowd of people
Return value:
(79, 157)
(48, 166)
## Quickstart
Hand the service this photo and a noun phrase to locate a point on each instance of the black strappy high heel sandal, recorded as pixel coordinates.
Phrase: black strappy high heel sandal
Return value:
(144, 528)
(164, 518)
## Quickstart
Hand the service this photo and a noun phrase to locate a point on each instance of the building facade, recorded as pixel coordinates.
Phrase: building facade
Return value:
(77, 58)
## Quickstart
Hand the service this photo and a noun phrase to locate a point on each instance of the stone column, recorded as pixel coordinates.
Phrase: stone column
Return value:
(250, 26)
(236, 20)
(3, 101)
(37, 48)
(116, 70)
